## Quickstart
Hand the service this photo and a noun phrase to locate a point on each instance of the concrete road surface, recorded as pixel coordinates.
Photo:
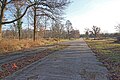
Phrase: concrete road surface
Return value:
(77, 62)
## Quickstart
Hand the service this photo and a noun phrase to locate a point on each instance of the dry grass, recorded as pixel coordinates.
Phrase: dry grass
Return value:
(9, 45)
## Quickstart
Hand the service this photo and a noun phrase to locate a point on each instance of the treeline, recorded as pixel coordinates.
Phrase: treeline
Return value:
(95, 32)
(56, 30)
(103, 35)
(35, 19)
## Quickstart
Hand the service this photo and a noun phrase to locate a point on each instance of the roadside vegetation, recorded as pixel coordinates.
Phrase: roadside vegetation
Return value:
(30, 23)
(9, 45)
(26, 24)
(108, 52)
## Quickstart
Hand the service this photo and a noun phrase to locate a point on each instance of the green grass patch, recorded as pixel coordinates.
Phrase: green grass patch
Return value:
(107, 52)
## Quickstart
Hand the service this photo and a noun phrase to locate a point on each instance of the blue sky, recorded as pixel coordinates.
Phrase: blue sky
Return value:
(102, 13)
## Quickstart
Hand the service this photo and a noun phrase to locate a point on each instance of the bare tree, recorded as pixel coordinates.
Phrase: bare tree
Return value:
(87, 33)
(50, 6)
(57, 30)
(52, 9)
(75, 34)
(96, 31)
(118, 28)
(69, 27)
(16, 10)
(3, 7)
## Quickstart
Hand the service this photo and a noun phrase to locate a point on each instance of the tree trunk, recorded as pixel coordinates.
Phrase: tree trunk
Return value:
(34, 24)
(0, 31)
(19, 22)
(1, 16)
(68, 34)
(19, 33)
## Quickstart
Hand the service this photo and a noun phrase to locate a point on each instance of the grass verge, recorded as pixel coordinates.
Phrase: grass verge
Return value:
(108, 52)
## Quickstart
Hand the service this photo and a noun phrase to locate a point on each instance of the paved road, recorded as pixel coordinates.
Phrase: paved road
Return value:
(77, 62)
(23, 53)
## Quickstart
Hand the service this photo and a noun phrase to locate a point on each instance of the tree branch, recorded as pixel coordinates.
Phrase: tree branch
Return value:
(39, 3)
(53, 18)
(9, 2)
(20, 16)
